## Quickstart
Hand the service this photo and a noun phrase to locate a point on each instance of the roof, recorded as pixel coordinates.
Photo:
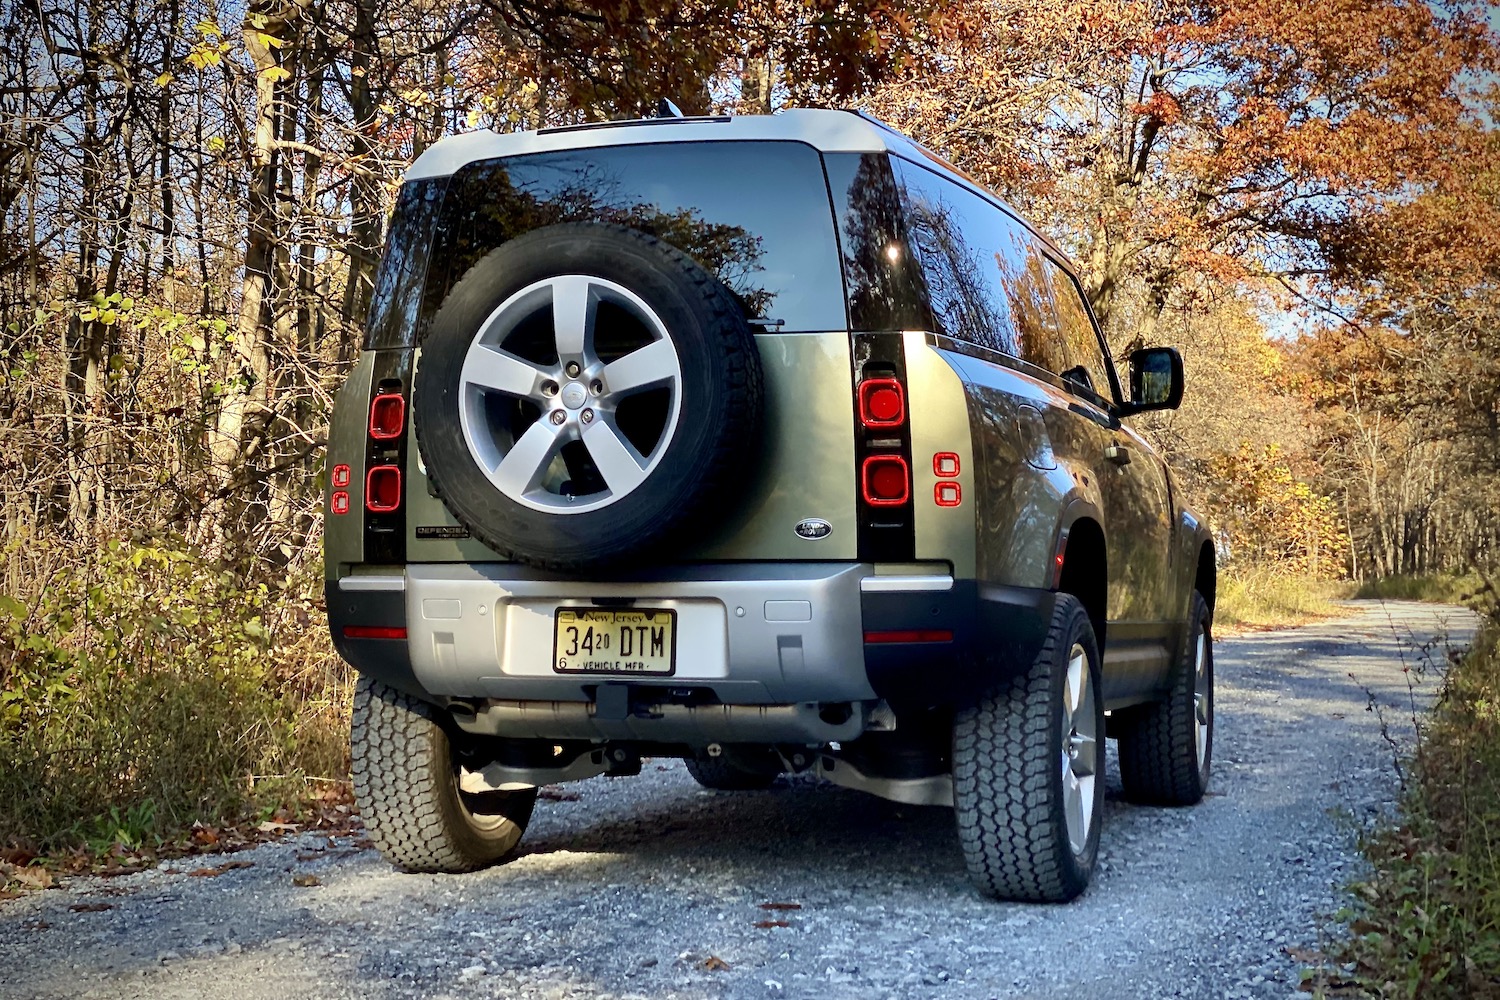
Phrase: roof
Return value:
(825, 130)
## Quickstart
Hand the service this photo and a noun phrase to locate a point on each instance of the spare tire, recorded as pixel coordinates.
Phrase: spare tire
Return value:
(585, 396)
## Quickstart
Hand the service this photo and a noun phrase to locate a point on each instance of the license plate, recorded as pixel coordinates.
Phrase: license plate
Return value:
(637, 641)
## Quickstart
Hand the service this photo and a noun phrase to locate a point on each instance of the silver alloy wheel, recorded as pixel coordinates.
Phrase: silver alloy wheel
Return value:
(1080, 749)
(1202, 698)
(578, 395)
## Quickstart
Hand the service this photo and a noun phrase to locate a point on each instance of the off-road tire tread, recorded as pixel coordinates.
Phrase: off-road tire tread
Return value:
(721, 469)
(399, 753)
(1003, 763)
(1158, 749)
(722, 775)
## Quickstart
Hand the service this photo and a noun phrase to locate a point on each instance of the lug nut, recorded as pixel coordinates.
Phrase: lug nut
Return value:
(558, 416)
(549, 388)
(587, 416)
(597, 387)
(573, 369)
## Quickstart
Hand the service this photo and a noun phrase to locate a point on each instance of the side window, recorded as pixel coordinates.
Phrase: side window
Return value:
(959, 240)
(1083, 356)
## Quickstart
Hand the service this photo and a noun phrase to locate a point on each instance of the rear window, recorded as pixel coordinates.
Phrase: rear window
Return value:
(757, 214)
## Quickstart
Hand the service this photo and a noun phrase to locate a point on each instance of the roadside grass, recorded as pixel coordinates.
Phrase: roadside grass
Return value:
(1437, 588)
(144, 691)
(1256, 599)
(1425, 923)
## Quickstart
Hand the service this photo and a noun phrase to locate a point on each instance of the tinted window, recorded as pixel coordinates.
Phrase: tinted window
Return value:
(964, 245)
(1078, 341)
(885, 290)
(403, 268)
(757, 214)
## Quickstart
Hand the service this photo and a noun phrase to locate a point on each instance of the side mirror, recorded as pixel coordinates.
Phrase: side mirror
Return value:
(1155, 380)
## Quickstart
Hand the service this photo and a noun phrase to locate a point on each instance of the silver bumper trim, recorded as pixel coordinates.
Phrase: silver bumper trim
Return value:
(905, 584)
(369, 583)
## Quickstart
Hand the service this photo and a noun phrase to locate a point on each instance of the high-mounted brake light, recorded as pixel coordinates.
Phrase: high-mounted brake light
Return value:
(383, 489)
(882, 403)
(885, 480)
(387, 416)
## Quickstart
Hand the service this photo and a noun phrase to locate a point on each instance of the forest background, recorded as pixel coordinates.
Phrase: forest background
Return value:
(1302, 195)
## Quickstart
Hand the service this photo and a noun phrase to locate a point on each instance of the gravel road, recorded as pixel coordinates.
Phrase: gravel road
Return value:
(650, 887)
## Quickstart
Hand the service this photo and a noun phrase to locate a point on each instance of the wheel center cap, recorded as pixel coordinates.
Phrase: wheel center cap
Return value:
(574, 395)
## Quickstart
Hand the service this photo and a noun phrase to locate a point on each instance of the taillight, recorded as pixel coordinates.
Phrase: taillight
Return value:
(383, 489)
(340, 502)
(341, 477)
(909, 635)
(374, 632)
(882, 403)
(387, 416)
(885, 481)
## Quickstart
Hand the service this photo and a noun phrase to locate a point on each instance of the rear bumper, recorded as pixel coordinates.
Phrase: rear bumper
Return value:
(765, 652)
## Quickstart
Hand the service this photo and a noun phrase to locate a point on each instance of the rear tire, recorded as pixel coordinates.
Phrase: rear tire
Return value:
(406, 784)
(1166, 749)
(1028, 762)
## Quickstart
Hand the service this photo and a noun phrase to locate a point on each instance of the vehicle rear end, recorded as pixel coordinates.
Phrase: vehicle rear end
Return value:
(798, 583)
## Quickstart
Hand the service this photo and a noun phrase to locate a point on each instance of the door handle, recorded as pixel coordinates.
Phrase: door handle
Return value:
(1118, 454)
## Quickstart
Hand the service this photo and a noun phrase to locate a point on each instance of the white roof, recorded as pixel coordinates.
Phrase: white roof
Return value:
(825, 130)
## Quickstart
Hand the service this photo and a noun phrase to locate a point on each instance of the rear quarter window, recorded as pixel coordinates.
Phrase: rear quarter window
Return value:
(756, 214)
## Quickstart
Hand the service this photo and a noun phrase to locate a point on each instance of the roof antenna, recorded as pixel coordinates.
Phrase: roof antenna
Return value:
(666, 109)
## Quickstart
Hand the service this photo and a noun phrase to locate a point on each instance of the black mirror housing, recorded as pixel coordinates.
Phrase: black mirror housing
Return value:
(1155, 380)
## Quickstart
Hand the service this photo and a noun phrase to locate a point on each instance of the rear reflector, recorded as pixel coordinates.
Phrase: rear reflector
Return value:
(947, 494)
(387, 417)
(945, 464)
(882, 403)
(909, 635)
(383, 489)
(340, 502)
(341, 477)
(373, 632)
(886, 480)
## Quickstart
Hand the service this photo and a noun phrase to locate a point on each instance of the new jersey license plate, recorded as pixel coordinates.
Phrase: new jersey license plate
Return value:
(637, 641)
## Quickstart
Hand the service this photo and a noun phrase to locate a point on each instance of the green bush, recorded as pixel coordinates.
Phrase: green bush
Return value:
(143, 690)
(1427, 922)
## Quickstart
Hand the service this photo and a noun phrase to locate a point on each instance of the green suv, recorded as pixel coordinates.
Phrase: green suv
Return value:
(770, 443)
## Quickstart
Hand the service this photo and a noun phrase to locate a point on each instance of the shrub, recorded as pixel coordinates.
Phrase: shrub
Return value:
(145, 689)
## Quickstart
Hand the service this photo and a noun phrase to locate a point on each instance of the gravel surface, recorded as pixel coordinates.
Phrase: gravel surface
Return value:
(650, 887)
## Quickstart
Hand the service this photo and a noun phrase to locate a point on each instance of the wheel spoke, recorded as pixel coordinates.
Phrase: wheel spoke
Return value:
(616, 459)
(573, 312)
(523, 467)
(1073, 688)
(491, 368)
(651, 366)
(1073, 810)
(1086, 760)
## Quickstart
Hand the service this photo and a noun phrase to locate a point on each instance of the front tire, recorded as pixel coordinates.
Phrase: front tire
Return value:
(406, 785)
(1028, 763)
(1166, 748)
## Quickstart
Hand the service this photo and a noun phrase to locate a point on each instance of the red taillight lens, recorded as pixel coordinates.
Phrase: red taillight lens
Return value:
(387, 417)
(373, 632)
(886, 480)
(947, 494)
(945, 464)
(341, 477)
(383, 489)
(882, 403)
(909, 635)
(340, 502)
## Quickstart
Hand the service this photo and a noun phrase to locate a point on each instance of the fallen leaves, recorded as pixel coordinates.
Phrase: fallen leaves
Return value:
(303, 881)
(91, 907)
(767, 924)
(715, 964)
(781, 906)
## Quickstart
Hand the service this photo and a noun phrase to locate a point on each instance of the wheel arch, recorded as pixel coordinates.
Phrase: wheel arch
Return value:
(1206, 576)
(1082, 562)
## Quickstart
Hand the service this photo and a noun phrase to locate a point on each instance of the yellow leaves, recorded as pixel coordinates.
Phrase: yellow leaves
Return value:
(215, 144)
(164, 79)
(276, 74)
(211, 47)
